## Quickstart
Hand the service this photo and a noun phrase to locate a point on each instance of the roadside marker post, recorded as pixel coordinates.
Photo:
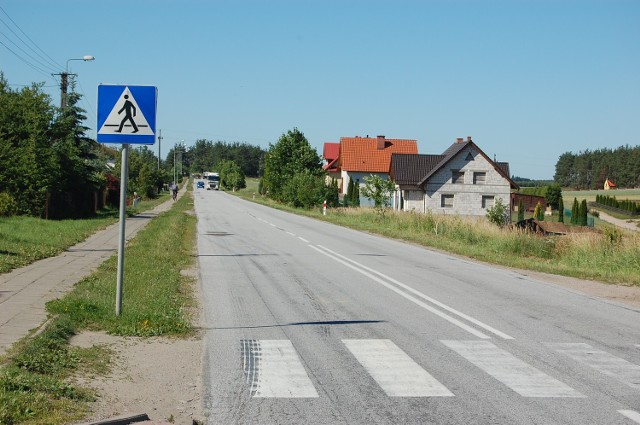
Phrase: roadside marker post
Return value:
(126, 115)
(324, 208)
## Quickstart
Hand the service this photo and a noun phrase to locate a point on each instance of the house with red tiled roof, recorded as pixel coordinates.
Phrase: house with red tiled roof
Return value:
(331, 154)
(361, 157)
(463, 180)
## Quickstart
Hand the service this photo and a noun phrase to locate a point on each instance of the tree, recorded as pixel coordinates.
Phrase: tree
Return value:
(520, 210)
(498, 214)
(553, 194)
(28, 165)
(575, 211)
(332, 194)
(349, 195)
(538, 212)
(379, 191)
(561, 211)
(304, 190)
(292, 154)
(583, 213)
(231, 176)
(355, 196)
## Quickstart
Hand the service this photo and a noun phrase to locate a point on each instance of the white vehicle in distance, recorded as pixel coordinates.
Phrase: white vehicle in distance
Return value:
(213, 180)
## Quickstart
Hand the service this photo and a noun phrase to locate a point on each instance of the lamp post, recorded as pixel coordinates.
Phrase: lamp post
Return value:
(64, 79)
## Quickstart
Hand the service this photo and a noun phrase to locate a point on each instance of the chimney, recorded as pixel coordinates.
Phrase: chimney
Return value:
(468, 138)
(381, 141)
(459, 140)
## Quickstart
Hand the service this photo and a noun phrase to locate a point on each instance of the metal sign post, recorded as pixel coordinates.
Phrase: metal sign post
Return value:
(124, 175)
(126, 115)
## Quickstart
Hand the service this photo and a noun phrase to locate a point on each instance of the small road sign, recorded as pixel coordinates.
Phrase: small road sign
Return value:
(127, 114)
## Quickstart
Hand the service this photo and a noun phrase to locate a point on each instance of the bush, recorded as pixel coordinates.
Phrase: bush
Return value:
(498, 213)
(8, 205)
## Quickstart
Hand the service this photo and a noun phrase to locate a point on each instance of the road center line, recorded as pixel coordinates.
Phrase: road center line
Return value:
(433, 310)
(303, 239)
(425, 297)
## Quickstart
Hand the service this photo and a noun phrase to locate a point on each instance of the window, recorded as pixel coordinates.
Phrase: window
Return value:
(446, 201)
(457, 177)
(479, 177)
(488, 201)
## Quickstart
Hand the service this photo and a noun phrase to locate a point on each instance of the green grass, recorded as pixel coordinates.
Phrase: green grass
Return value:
(590, 195)
(24, 240)
(35, 376)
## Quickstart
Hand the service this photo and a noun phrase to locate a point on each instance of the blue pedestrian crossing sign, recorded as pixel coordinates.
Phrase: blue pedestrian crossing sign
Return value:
(127, 114)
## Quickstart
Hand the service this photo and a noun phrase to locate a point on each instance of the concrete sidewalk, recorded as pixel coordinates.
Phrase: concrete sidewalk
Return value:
(24, 291)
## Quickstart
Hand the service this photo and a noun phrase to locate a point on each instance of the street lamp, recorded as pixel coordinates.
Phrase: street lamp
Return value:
(64, 81)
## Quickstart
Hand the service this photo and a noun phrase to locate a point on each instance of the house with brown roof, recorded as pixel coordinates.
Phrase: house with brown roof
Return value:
(463, 180)
(361, 157)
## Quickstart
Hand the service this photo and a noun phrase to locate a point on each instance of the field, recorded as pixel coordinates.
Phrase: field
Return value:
(590, 195)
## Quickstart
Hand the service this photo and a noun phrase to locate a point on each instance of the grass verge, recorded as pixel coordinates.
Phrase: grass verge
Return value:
(24, 240)
(35, 375)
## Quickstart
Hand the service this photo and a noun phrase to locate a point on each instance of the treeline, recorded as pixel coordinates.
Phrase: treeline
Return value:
(627, 205)
(48, 167)
(590, 169)
(206, 155)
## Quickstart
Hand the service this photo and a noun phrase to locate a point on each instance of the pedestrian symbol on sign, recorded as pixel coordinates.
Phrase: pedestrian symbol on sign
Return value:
(128, 115)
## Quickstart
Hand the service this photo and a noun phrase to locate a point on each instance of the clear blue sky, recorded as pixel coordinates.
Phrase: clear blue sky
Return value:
(528, 80)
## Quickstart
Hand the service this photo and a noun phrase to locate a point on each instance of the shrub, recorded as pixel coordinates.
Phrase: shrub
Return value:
(8, 205)
(498, 213)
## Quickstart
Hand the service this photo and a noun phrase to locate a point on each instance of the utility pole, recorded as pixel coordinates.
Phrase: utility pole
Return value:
(64, 86)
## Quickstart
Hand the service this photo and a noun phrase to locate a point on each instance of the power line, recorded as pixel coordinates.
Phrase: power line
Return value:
(51, 61)
(46, 65)
(25, 61)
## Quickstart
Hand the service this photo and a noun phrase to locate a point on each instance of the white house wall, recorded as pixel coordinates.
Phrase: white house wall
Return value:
(467, 196)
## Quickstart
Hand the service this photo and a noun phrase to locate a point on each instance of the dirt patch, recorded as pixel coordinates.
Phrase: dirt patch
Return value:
(157, 376)
(161, 377)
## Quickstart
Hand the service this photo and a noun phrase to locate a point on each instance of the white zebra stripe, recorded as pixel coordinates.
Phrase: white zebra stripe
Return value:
(396, 373)
(620, 369)
(511, 371)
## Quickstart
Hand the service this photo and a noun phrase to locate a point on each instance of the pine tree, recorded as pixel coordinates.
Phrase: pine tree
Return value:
(537, 212)
(349, 195)
(356, 193)
(561, 211)
(520, 210)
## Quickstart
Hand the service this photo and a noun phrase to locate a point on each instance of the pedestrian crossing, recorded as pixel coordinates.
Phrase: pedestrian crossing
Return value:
(273, 368)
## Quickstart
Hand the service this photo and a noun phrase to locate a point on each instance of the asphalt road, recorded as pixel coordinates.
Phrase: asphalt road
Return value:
(310, 323)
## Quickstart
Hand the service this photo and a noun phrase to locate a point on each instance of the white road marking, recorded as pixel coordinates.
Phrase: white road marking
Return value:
(303, 239)
(425, 297)
(291, 234)
(272, 225)
(433, 310)
(396, 373)
(279, 371)
(511, 371)
(620, 369)
(631, 414)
